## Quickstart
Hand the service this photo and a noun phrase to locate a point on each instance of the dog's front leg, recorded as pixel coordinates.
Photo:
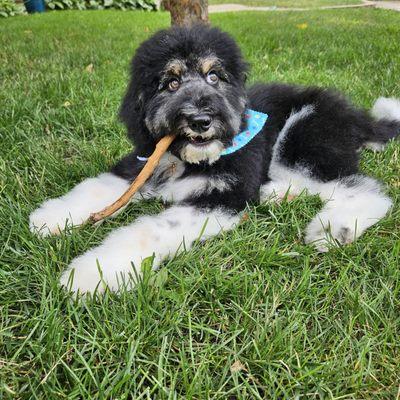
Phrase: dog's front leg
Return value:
(162, 235)
(91, 195)
(75, 207)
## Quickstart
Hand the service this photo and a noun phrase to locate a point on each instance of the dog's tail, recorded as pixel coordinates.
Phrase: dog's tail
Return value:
(386, 124)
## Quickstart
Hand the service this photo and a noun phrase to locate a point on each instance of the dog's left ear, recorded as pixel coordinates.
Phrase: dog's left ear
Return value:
(132, 114)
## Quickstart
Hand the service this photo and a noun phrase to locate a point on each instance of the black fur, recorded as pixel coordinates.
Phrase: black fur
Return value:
(327, 143)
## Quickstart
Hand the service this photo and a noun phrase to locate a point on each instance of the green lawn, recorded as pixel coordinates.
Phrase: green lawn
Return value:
(287, 3)
(302, 325)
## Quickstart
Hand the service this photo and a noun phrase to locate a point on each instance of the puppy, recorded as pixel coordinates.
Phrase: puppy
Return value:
(234, 146)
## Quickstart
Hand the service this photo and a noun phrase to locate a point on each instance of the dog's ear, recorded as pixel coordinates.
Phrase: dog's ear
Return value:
(132, 114)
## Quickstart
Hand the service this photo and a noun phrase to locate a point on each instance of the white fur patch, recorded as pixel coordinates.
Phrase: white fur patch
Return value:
(174, 191)
(75, 207)
(195, 154)
(177, 190)
(221, 183)
(375, 146)
(162, 235)
(386, 108)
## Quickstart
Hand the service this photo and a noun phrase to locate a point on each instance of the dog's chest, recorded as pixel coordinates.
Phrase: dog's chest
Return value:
(173, 186)
(169, 169)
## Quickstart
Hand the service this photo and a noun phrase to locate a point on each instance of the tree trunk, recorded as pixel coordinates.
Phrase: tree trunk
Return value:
(187, 12)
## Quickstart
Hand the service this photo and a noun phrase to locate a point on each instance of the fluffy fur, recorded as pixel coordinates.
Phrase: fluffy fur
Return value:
(192, 82)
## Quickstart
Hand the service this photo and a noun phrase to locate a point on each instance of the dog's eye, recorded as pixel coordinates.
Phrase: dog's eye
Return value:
(173, 85)
(212, 78)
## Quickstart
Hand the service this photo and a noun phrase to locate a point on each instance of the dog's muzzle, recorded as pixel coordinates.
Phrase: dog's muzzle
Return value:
(201, 132)
(200, 129)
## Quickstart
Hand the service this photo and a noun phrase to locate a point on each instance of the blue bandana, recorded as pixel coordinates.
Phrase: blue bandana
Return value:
(254, 123)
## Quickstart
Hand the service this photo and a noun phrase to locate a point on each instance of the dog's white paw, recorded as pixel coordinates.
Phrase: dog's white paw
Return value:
(324, 234)
(114, 264)
(98, 268)
(94, 271)
(51, 218)
(75, 207)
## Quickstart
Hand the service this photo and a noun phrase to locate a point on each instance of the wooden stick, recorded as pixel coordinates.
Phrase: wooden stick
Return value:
(145, 173)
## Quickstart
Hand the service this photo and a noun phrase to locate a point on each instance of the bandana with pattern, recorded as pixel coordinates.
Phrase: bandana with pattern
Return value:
(254, 123)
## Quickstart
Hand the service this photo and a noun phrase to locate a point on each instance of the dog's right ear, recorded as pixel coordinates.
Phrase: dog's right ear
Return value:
(132, 114)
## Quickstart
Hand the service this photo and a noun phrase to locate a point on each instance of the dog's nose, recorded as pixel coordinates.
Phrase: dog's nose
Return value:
(200, 123)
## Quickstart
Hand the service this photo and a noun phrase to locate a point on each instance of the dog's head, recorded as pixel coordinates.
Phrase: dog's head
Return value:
(190, 82)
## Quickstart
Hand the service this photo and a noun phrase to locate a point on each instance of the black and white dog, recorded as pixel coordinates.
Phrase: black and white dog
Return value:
(192, 82)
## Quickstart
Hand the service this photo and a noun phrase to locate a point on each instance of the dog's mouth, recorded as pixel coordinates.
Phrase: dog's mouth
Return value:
(199, 141)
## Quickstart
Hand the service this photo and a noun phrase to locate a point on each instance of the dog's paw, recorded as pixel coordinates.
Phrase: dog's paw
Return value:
(51, 218)
(75, 207)
(100, 268)
(84, 275)
(324, 234)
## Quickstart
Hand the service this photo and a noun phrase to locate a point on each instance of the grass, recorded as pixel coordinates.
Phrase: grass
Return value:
(287, 3)
(295, 324)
